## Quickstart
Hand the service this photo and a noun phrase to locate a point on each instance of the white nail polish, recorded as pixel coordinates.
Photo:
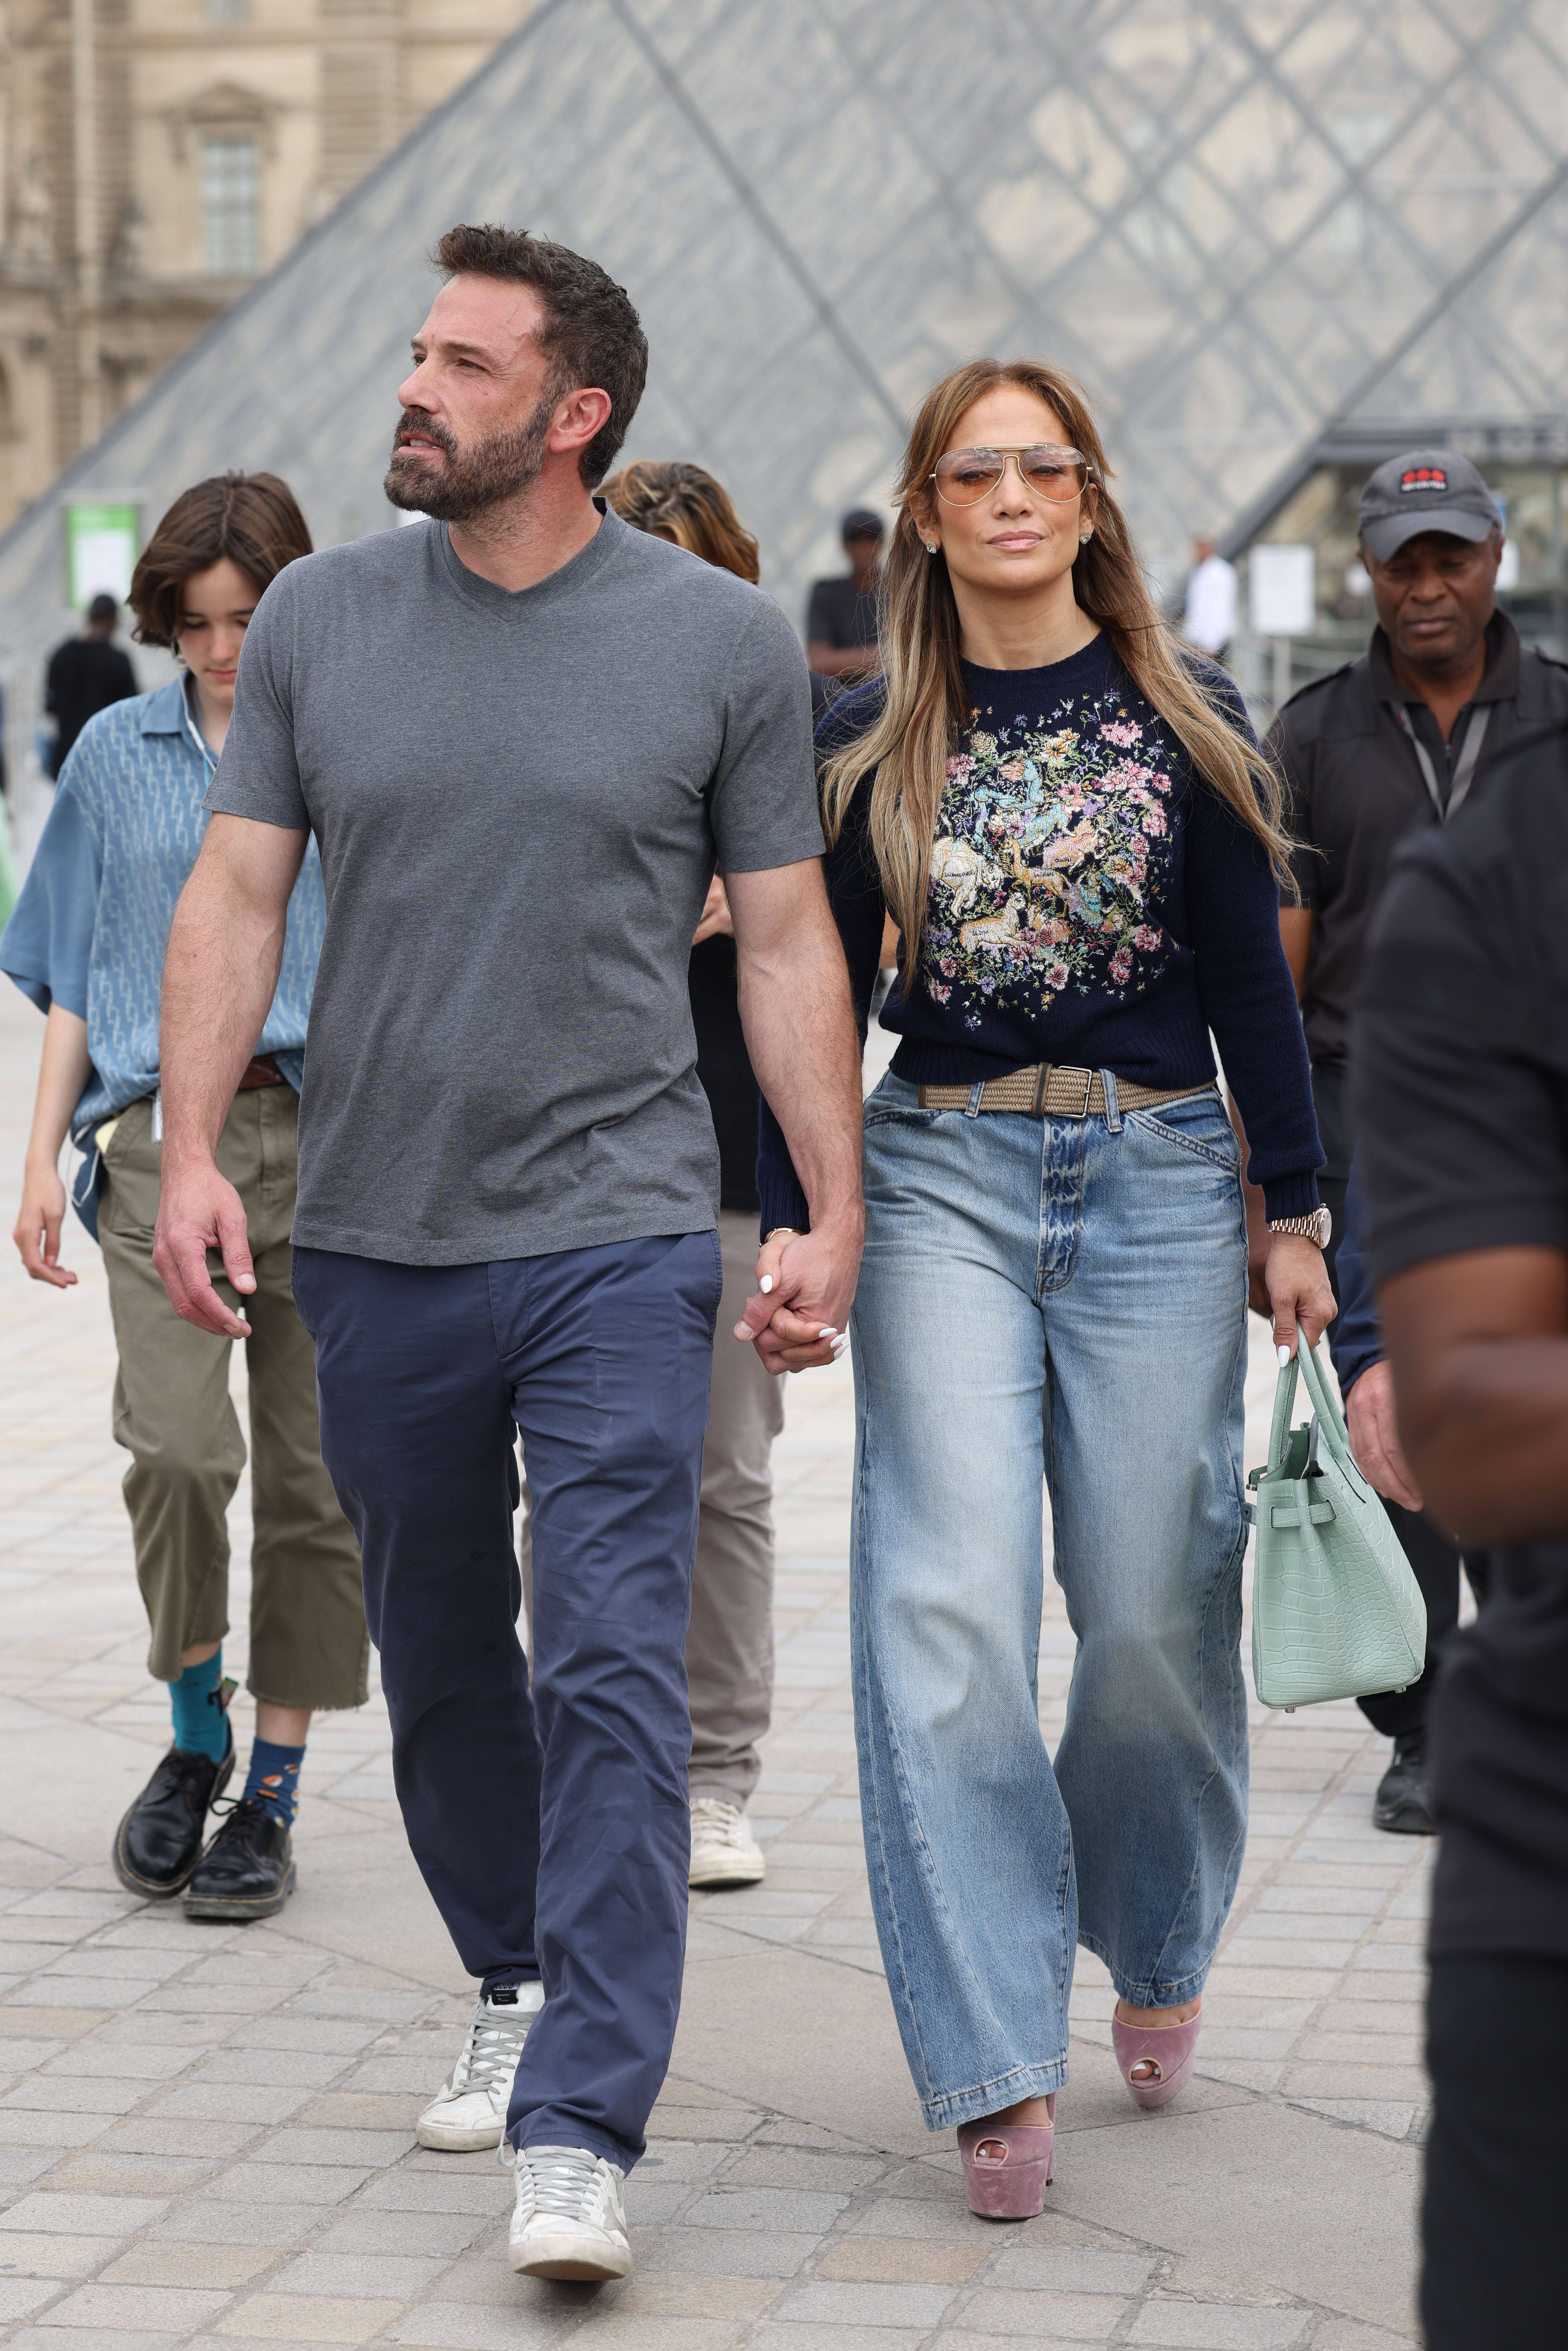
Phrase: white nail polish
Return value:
(829, 1331)
(766, 1284)
(1284, 1354)
(839, 1346)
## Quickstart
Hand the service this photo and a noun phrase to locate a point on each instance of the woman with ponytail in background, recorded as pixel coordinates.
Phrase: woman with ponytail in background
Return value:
(1071, 825)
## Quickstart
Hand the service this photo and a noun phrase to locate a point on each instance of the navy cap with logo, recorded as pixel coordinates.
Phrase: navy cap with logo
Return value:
(861, 522)
(1425, 489)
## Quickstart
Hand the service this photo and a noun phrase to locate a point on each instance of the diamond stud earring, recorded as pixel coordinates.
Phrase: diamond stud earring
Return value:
(931, 547)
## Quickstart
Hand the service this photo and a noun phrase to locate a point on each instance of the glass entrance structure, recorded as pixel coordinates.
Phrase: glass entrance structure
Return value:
(1274, 241)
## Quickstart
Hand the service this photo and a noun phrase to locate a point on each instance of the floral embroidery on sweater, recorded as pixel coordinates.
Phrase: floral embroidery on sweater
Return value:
(1054, 845)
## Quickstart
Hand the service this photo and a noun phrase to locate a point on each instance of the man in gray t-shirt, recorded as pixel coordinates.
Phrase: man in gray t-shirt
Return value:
(523, 736)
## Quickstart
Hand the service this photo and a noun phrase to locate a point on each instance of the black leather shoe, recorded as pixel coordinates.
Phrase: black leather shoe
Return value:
(1400, 1803)
(159, 1842)
(247, 1871)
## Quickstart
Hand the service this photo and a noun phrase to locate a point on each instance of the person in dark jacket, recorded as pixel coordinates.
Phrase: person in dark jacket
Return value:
(85, 675)
(1462, 1085)
(1393, 744)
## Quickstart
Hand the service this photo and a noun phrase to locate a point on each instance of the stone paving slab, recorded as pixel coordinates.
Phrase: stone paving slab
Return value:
(205, 2131)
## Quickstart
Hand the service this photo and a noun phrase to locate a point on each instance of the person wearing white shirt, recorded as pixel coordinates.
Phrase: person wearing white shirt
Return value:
(1209, 621)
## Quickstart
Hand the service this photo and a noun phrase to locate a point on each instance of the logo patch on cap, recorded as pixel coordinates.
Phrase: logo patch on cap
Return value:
(1423, 477)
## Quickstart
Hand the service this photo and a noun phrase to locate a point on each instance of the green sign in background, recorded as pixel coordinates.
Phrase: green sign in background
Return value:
(102, 543)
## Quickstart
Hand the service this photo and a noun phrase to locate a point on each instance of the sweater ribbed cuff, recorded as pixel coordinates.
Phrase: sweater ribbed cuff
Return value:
(783, 1203)
(1290, 1196)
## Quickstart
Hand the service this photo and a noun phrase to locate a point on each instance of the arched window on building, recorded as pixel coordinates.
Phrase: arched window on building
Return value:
(231, 190)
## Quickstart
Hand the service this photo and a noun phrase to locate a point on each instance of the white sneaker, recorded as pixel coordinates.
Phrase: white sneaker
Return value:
(471, 2112)
(724, 1850)
(569, 2219)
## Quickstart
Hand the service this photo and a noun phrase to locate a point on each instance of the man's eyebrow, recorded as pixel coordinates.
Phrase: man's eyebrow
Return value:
(451, 343)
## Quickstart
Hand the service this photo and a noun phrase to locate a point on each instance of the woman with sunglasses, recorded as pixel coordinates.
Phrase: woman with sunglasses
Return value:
(1073, 825)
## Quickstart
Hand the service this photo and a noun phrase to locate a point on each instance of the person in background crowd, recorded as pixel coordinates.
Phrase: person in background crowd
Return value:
(87, 944)
(1388, 744)
(508, 1179)
(1074, 831)
(729, 1645)
(1462, 1106)
(85, 675)
(840, 619)
(1209, 620)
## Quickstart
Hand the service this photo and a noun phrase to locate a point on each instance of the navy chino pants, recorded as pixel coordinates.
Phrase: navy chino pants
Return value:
(552, 1826)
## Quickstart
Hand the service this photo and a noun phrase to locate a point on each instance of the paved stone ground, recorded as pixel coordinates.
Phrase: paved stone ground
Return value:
(206, 2134)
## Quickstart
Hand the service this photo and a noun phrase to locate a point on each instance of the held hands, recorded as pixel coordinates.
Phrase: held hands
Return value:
(1375, 1437)
(798, 1318)
(37, 1228)
(199, 1210)
(1299, 1292)
(716, 916)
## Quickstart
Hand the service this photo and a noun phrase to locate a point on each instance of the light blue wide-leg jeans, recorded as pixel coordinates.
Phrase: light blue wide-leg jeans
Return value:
(1061, 1298)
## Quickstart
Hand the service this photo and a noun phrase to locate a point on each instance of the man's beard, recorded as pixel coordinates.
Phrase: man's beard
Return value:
(471, 479)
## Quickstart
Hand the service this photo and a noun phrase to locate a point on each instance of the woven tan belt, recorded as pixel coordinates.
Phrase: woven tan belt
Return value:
(1046, 1091)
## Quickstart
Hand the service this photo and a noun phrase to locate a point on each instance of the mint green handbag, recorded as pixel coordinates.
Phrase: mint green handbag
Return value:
(1336, 1611)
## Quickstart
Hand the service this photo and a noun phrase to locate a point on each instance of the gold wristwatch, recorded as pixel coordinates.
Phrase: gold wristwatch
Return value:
(1315, 1228)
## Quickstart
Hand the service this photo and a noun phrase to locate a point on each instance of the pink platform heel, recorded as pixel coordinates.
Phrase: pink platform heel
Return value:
(1171, 2049)
(1008, 2165)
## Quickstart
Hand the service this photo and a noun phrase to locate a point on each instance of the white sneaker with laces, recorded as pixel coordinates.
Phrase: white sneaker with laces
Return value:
(570, 2218)
(471, 2111)
(724, 1850)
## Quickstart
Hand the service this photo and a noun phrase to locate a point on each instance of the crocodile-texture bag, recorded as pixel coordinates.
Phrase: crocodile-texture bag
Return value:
(1336, 1611)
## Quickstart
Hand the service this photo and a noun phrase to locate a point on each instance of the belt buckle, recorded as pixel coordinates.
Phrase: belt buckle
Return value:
(1082, 1110)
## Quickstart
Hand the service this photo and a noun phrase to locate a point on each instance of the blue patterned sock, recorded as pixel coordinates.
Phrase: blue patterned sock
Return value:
(201, 1726)
(273, 1779)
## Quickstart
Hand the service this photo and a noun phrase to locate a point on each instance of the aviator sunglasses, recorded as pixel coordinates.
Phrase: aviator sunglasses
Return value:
(964, 477)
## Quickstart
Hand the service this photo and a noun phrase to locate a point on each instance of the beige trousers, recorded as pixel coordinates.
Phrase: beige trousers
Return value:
(729, 1645)
(309, 1645)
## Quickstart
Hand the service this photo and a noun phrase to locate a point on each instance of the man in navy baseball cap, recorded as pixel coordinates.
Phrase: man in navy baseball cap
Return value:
(1390, 745)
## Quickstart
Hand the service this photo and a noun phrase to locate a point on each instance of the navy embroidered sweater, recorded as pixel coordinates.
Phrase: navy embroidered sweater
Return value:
(1092, 902)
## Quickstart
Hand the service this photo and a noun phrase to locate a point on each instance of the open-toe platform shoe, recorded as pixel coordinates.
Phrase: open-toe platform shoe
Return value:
(1170, 2049)
(1008, 2165)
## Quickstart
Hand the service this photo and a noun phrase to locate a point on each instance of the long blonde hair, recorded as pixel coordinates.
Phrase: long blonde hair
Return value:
(662, 495)
(925, 703)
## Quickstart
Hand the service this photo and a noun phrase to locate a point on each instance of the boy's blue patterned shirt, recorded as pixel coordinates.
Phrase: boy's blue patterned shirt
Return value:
(92, 925)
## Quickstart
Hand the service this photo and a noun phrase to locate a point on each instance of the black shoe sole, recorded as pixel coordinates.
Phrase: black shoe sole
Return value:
(157, 1890)
(239, 1906)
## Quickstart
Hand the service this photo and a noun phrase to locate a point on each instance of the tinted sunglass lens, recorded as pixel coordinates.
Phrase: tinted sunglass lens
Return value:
(1054, 473)
(965, 476)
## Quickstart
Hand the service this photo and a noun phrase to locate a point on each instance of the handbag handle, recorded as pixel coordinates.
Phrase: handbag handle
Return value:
(1280, 1428)
(1331, 1420)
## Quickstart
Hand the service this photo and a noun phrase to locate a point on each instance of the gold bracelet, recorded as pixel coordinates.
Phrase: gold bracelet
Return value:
(786, 1232)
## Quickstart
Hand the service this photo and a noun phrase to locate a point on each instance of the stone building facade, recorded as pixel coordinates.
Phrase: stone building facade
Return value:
(156, 155)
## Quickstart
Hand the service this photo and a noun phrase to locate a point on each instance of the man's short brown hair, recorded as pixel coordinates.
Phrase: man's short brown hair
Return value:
(592, 337)
(250, 519)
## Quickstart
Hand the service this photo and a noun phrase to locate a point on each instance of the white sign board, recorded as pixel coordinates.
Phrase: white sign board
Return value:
(1282, 590)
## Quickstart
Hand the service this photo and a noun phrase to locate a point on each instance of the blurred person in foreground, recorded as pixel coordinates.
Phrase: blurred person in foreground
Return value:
(1209, 620)
(1072, 824)
(85, 675)
(1388, 746)
(840, 619)
(729, 1643)
(87, 944)
(1462, 1103)
(509, 1184)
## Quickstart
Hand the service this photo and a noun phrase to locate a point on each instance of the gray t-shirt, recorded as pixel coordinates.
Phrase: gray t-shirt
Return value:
(519, 800)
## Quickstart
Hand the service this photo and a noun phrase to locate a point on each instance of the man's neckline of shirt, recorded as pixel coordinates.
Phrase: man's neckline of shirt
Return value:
(566, 579)
(1500, 680)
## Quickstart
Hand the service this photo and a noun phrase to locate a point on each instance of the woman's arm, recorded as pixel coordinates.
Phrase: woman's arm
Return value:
(854, 894)
(62, 1078)
(1248, 1000)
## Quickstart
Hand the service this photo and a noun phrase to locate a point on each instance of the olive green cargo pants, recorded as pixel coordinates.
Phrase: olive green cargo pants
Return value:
(309, 1645)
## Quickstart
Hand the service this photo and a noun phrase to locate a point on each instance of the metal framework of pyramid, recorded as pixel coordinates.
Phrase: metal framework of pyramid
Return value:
(1248, 228)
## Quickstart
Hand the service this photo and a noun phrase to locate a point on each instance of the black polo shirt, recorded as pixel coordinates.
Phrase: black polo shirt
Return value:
(839, 616)
(1461, 1102)
(1354, 788)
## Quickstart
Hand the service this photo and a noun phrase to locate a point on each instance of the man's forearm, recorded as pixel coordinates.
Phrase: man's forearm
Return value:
(220, 975)
(1485, 1438)
(801, 1035)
